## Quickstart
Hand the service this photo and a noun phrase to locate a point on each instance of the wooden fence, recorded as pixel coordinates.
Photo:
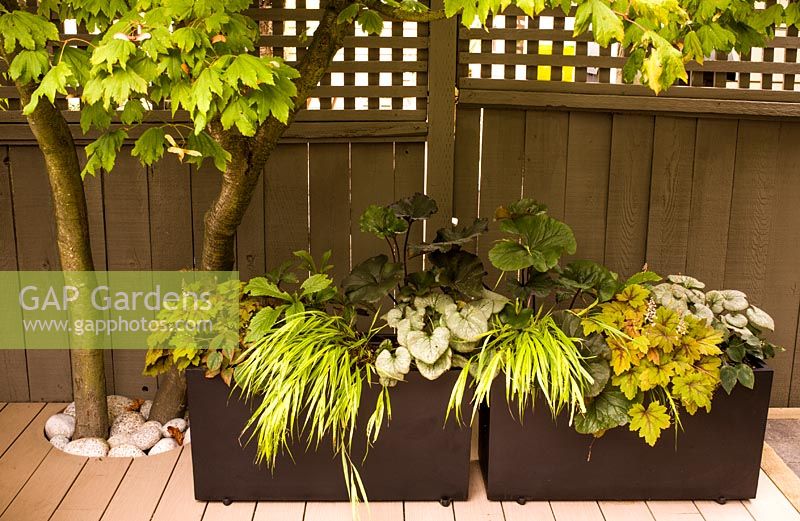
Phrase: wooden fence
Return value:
(704, 179)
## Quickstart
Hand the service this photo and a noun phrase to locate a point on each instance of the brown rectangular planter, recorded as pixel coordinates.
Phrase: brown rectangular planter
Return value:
(717, 456)
(416, 457)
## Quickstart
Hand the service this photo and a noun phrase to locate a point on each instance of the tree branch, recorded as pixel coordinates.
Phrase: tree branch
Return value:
(396, 13)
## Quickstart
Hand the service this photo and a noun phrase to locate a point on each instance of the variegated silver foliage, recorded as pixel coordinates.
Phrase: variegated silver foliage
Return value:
(434, 331)
(727, 310)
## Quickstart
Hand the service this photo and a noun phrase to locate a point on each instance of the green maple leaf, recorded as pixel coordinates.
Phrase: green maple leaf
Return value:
(149, 148)
(606, 24)
(28, 66)
(649, 422)
(55, 81)
(26, 30)
(102, 153)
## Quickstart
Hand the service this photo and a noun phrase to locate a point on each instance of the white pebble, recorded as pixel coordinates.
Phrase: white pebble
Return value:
(118, 405)
(163, 446)
(187, 436)
(119, 439)
(127, 423)
(178, 423)
(145, 408)
(148, 435)
(69, 409)
(88, 447)
(126, 451)
(60, 425)
(59, 442)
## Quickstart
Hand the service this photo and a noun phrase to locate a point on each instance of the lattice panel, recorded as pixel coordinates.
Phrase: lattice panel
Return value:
(375, 78)
(543, 49)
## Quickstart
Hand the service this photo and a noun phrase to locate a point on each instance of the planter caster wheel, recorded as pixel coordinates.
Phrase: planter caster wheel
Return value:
(445, 502)
(721, 500)
(521, 500)
(227, 501)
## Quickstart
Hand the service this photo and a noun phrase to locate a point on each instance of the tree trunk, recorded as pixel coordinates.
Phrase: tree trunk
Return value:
(249, 156)
(170, 400)
(72, 236)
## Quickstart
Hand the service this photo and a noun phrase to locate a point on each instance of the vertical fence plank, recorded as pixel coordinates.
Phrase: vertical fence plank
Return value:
(629, 193)
(670, 194)
(13, 366)
(409, 177)
(467, 163)
(589, 153)
(502, 164)
(371, 182)
(546, 135)
(329, 193)
(250, 245)
(49, 372)
(286, 203)
(170, 206)
(441, 114)
(128, 246)
(781, 292)
(712, 184)
(753, 206)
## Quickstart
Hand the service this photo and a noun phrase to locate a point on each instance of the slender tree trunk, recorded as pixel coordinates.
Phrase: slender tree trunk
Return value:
(72, 236)
(170, 399)
(249, 156)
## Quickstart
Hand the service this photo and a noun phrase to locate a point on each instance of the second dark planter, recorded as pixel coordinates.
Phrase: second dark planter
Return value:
(416, 458)
(717, 455)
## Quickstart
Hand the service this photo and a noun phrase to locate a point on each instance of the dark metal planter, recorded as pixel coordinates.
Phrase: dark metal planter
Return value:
(717, 457)
(416, 457)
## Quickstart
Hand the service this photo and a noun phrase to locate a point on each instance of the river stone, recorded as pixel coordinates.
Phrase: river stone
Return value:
(59, 442)
(70, 409)
(119, 439)
(126, 451)
(127, 423)
(178, 423)
(148, 435)
(88, 447)
(60, 425)
(118, 405)
(145, 409)
(163, 445)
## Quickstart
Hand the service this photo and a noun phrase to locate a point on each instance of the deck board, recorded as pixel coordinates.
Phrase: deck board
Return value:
(625, 511)
(674, 511)
(731, 511)
(477, 507)
(240, 511)
(279, 511)
(92, 491)
(770, 503)
(38, 482)
(13, 420)
(141, 489)
(178, 500)
(45, 489)
(23, 457)
(531, 511)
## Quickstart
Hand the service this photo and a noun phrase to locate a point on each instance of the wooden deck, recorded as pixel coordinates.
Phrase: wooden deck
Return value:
(39, 483)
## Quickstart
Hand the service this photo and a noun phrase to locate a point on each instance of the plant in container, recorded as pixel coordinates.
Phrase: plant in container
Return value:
(648, 352)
